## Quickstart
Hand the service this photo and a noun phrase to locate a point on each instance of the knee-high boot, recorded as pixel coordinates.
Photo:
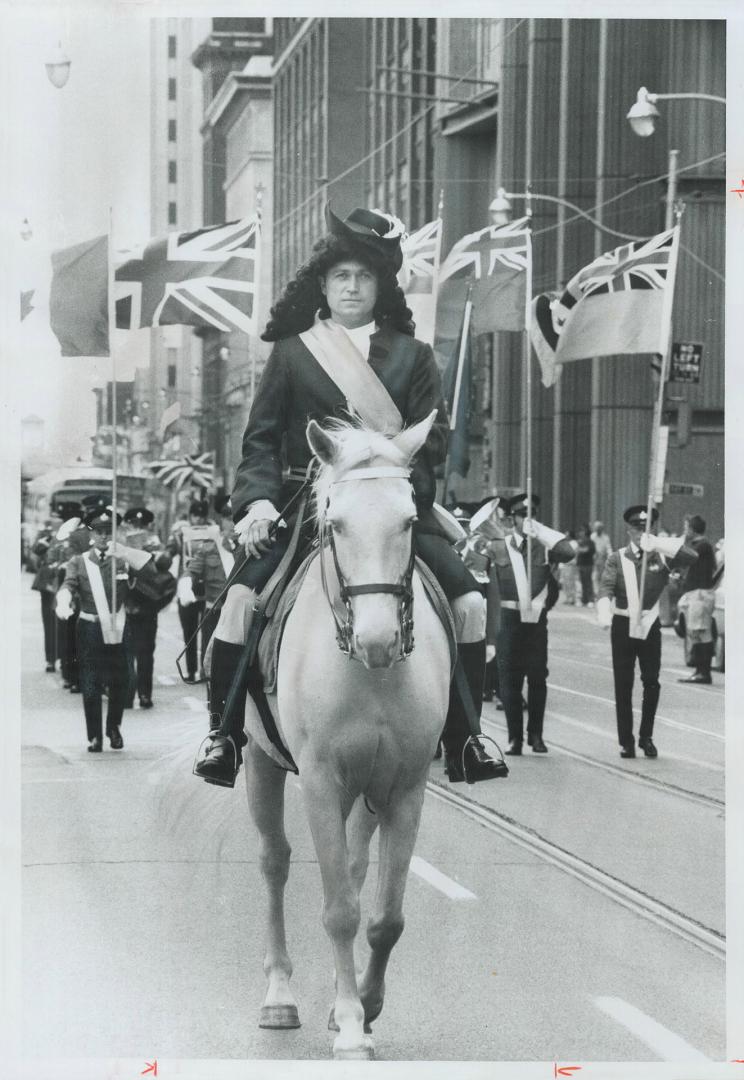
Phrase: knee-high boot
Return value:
(222, 756)
(465, 755)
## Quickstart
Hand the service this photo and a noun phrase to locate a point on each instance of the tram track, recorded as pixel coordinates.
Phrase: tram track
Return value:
(626, 895)
(645, 779)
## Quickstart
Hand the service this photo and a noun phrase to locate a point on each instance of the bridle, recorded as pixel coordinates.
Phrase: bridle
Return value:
(402, 589)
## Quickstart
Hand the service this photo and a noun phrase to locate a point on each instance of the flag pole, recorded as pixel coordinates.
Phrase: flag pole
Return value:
(659, 405)
(458, 382)
(527, 360)
(114, 440)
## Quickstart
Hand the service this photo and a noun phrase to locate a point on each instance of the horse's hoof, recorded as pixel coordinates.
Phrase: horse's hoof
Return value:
(333, 1026)
(365, 1052)
(279, 1016)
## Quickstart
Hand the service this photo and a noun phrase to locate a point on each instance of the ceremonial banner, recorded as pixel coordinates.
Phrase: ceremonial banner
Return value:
(495, 262)
(78, 298)
(197, 469)
(202, 278)
(419, 276)
(170, 415)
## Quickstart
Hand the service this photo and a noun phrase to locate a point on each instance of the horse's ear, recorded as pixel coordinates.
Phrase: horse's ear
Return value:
(321, 443)
(412, 439)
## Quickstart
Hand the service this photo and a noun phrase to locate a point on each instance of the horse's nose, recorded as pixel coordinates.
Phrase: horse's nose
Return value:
(377, 654)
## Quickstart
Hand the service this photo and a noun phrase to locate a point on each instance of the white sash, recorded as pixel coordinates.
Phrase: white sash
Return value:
(530, 609)
(348, 369)
(111, 635)
(640, 622)
(226, 557)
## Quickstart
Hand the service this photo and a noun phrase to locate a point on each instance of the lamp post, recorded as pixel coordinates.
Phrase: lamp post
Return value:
(500, 210)
(643, 114)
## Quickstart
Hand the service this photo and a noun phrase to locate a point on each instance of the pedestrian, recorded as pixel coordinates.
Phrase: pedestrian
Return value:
(141, 622)
(518, 616)
(45, 583)
(568, 572)
(71, 539)
(602, 551)
(585, 552)
(183, 543)
(635, 630)
(209, 568)
(697, 601)
(487, 524)
(342, 317)
(101, 656)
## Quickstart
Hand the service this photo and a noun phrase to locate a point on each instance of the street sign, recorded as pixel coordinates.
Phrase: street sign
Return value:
(685, 489)
(687, 357)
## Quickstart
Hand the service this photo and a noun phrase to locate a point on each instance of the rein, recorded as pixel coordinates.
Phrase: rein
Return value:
(402, 589)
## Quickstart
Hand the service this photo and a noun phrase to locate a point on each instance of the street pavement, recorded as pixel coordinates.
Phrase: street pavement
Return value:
(143, 908)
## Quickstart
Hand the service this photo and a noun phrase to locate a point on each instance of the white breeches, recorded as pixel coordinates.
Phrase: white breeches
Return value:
(469, 613)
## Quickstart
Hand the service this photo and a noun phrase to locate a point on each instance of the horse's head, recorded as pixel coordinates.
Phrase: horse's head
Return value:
(366, 509)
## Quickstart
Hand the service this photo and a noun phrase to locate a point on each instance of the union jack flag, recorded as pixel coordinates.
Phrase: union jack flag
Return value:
(496, 262)
(419, 276)
(197, 469)
(202, 278)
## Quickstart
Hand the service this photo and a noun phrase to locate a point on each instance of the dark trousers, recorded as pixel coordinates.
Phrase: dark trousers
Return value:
(701, 655)
(48, 619)
(522, 653)
(139, 644)
(625, 651)
(190, 614)
(67, 647)
(101, 666)
(587, 587)
(491, 687)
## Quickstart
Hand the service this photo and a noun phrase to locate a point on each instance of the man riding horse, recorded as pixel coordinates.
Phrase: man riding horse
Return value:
(344, 307)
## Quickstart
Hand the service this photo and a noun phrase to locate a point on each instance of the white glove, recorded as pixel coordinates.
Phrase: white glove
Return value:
(63, 607)
(538, 531)
(253, 530)
(185, 592)
(490, 653)
(665, 545)
(604, 612)
(134, 556)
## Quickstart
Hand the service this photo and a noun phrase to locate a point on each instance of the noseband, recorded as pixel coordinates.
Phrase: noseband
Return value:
(403, 589)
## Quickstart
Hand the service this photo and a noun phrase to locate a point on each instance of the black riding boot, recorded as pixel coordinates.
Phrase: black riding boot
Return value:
(222, 756)
(465, 755)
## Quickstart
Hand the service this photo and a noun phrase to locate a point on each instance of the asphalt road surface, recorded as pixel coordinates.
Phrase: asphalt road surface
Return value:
(573, 912)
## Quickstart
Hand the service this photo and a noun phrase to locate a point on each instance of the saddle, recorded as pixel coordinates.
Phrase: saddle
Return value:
(271, 638)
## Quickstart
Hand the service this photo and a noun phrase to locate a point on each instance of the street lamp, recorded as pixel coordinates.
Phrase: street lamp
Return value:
(643, 114)
(58, 67)
(500, 210)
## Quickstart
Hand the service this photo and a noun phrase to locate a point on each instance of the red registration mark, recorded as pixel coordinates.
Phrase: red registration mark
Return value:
(150, 1067)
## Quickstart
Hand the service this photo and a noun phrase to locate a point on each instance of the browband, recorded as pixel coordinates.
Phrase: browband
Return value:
(375, 474)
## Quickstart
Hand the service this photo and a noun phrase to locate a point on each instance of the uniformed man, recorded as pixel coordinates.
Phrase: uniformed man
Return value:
(101, 657)
(183, 543)
(518, 616)
(697, 601)
(45, 583)
(635, 627)
(210, 566)
(71, 539)
(141, 623)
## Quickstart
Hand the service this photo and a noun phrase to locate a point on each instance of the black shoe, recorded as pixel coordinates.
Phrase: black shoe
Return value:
(648, 747)
(65, 684)
(538, 746)
(514, 749)
(627, 751)
(487, 694)
(50, 667)
(220, 763)
(95, 746)
(74, 688)
(472, 764)
(117, 743)
(190, 678)
(499, 705)
(698, 677)
(145, 703)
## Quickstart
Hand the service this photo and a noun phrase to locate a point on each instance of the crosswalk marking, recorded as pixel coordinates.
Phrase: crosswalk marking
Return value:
(440, 881)
(668, 1045)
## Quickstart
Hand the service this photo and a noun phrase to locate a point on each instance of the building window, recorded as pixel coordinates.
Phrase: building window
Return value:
(171, 131)
(171, 375)
(171, 89)
(172, 213)
(171, 46)
(172, 172)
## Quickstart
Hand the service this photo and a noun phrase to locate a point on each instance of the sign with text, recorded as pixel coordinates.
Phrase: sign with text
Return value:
(687, 358)
(685, 489)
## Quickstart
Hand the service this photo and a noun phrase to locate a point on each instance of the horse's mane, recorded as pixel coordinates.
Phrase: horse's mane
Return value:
(357, 446)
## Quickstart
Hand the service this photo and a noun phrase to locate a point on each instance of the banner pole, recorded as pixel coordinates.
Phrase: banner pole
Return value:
(659, 406)
(528, 364)
(114, 438)
(458, 385)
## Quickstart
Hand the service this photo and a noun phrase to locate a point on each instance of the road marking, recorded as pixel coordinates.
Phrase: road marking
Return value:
(440, 881)
(712, 690)
(662, 719)
(665, 1043)
(167, 680)
(193, 703)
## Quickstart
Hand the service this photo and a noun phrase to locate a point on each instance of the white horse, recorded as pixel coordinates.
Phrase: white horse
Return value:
(362, 724)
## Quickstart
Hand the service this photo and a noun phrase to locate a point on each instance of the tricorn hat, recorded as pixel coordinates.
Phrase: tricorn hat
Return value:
(139, 515)
(638, 515)
(374, 229)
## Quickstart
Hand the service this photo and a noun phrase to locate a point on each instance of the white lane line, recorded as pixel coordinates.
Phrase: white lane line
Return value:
(662, 719)
(712, 690)
(665, 1043)
(440, 881)
(194, 703)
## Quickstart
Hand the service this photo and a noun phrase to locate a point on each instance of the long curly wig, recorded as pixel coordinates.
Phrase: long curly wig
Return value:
(294, 311)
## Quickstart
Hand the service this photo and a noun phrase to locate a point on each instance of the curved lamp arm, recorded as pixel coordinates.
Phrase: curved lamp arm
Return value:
(501, 194)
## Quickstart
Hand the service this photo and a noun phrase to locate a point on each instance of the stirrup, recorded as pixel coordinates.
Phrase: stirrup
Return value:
(502, 767)
(236, 762)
